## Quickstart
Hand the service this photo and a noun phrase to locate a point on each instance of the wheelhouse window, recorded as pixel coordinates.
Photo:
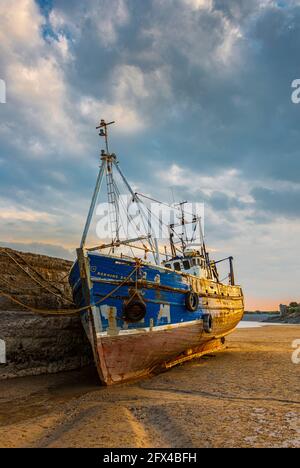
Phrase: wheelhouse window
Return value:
(177, 266)
(186, 264)
(167, 265)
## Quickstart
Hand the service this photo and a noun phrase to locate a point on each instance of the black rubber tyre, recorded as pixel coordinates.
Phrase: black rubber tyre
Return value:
(134, 311)
(191, 301)
(207, 323)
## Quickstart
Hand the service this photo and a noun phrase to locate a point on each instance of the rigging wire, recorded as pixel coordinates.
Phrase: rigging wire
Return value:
(140, 204)
(173, 206)
(225, 277)
(120, 218)
(162, 224)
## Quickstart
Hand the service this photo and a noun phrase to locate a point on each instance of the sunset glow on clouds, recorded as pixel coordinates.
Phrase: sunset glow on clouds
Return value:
(200, 91)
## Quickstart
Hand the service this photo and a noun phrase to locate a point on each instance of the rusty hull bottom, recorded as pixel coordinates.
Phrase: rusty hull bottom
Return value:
(131, 356)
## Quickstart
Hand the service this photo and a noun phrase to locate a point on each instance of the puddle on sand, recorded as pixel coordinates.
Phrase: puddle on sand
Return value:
(250, 324)
(57, 390)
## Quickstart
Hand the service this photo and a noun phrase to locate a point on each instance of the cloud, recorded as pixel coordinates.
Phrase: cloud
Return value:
(12, 213)
(199, 4)
(111, 15)
(19, 20)
(284, 203)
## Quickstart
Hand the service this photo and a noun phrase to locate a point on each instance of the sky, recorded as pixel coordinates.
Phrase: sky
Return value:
(201, 94)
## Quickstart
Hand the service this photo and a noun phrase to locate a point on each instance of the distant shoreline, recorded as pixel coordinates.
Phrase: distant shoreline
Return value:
(275, 312)
(271, 317)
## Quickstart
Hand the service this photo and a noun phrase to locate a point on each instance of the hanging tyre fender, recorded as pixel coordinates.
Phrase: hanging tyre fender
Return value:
(134, 310)
(191, 301)
(207, 323)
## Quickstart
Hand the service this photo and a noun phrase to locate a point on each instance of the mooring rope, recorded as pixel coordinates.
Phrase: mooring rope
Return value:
(68, 311)
(50, 282)
(59, 295)
(18, 254)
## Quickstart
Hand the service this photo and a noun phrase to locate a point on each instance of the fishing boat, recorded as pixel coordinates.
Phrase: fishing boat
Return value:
(146, 308)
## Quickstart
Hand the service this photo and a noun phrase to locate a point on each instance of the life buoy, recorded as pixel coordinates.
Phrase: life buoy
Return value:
(134, 311)
(191, 301)
(207, 323)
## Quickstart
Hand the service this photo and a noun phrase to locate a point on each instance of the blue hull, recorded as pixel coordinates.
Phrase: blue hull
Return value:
(162, 288)
(167, 334)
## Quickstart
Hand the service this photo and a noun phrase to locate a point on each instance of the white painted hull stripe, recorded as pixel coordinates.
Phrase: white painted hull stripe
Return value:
(141, 331)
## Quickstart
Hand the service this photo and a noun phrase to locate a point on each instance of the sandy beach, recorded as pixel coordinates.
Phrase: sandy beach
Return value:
(246, 396)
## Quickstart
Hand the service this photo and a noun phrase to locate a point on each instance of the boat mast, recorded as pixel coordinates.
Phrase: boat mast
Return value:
(112, 193)
(109, 161)
(184, 238)
(204, 251)
(103, 170)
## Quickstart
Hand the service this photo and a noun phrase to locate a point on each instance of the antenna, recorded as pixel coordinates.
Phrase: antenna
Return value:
(103, 131)
(184, 238)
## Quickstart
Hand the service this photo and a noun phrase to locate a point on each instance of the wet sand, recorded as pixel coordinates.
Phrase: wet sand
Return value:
(245, 396)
